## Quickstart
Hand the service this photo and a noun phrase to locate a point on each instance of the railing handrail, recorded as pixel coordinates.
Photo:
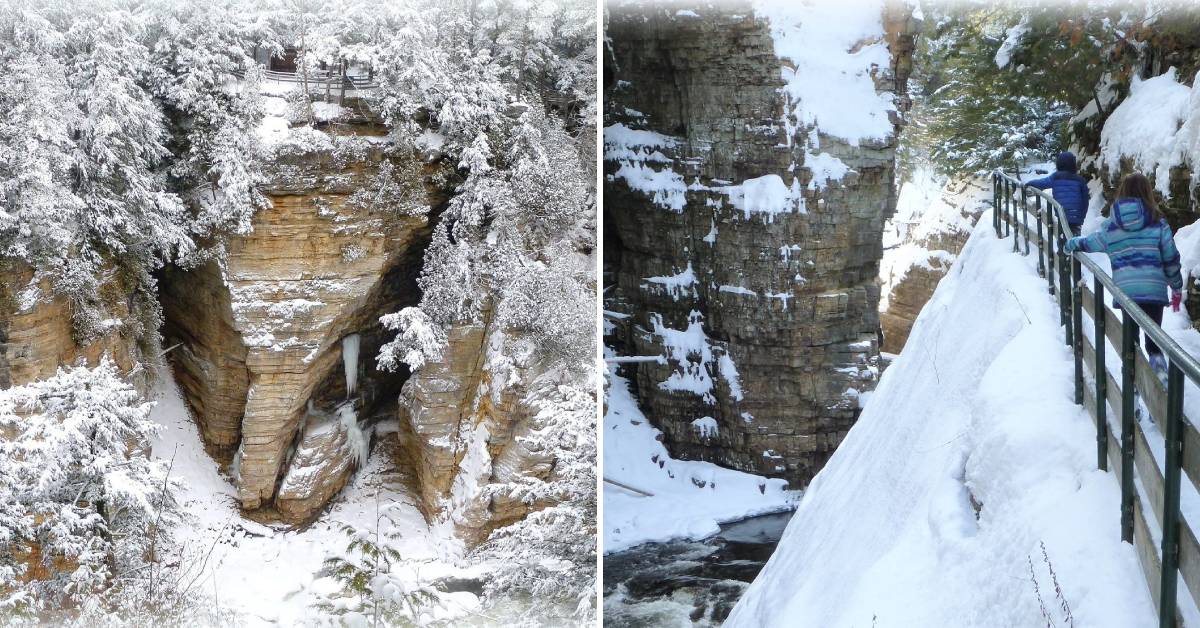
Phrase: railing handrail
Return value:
(359, 82)
(1177, 355)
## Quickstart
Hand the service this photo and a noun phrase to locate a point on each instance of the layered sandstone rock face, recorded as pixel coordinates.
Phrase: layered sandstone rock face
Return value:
(468, 414)
(210, 359)
(262, 333)
(921, 248)
(435, 404)
(265, 366)
(36, 334)
(325, 457)
(742, 241)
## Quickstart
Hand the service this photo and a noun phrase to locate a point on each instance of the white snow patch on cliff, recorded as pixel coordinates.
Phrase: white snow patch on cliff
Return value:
(968, 456)
(664, 187)
(1146, 127)
(678, 285)
(825, 168)
(706, 426)
(619, 138)
(835, 46)
(696, 359)
(740, 290)
(767, 194)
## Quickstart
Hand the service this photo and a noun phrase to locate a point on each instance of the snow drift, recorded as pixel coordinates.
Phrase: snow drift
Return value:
(968, 457)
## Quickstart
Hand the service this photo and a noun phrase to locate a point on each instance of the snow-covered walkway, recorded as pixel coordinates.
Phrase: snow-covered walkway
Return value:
(969, 461)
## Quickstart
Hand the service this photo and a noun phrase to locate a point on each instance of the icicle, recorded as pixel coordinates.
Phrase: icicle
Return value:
(357, 441)
(350, 362)
(235, 467)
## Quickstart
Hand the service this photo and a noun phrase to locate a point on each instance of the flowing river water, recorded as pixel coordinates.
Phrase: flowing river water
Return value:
(688, 583)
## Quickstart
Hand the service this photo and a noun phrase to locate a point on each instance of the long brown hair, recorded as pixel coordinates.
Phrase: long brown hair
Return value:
(1137, 186)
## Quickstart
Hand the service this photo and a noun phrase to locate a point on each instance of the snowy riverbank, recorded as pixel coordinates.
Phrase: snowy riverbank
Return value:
(689, 499)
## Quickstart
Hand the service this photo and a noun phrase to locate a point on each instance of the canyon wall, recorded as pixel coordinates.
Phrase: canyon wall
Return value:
(37, 335)
(261, 334)
(469, 413)
(743, 215)
(920, 245)
(268, 339)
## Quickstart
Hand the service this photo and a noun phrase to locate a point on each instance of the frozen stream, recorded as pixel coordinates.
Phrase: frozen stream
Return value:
(682, 582)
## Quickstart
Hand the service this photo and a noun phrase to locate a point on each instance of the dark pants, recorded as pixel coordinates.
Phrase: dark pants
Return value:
(1155, 311)
(1075, 229)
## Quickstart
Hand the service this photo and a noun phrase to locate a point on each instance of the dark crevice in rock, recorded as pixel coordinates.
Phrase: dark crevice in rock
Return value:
(210, 362)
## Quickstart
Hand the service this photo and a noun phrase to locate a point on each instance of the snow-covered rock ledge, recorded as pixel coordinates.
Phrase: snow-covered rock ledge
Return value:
(968, 457)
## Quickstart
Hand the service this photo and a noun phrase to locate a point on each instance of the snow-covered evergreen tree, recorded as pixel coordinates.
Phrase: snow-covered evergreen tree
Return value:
(205, 77)
(995, 85)
(83, 503)
(374, 589)
(551, 552)
(127, 142)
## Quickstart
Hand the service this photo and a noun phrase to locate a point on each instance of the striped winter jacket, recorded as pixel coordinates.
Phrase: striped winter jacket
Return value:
(1144, 258)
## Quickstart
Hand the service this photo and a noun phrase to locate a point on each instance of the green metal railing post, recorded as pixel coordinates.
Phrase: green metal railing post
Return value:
(1101, 378)
(1041, 241)
(1128, 331)
(1077, 325)
(1025, 219)
(1170, 520)
(1007, 208)
(1064, 289)
(996, 203)
(1013, 221)
(1051, 239)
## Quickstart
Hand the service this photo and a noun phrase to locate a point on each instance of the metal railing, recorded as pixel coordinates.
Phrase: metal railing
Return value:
(1179, 551)
(320, 79)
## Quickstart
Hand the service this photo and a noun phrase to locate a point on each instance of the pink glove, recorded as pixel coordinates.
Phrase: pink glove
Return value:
(1176, 296)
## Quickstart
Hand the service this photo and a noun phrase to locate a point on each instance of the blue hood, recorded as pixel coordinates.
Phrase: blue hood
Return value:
(1129, 213)
(1066, 161)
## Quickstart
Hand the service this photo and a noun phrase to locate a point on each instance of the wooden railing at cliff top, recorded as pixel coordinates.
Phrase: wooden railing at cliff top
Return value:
(1147, 485)
(320, 79)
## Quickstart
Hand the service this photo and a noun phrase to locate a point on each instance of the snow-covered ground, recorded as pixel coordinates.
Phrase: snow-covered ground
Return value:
(267, 576)
(689, 498)
(969, 458)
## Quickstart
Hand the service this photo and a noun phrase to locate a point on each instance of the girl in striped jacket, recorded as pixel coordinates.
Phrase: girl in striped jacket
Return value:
(1141, 247)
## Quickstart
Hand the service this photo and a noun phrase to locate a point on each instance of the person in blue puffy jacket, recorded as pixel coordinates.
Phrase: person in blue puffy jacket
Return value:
(1070, 189)
(1141, 247)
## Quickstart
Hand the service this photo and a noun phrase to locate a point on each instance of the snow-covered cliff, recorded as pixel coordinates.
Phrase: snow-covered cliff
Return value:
(749, 161)
(933, 219)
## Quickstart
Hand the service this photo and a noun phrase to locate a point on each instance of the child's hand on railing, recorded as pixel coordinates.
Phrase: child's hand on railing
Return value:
(1176, 297)
(1071, 246)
